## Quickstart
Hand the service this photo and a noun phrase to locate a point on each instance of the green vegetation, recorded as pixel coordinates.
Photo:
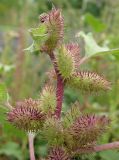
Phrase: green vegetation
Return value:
(23, 74)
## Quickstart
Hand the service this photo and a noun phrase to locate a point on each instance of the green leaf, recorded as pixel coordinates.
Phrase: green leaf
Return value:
(109, 155)
(92, 48)
(33, 48)
(38, 33)
(11, 149)
(9, 130)
(94, 22)
(39, 37)
(3, 93)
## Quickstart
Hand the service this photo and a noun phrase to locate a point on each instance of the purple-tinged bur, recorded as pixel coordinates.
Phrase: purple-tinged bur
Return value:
(43, 17)
(27, 116)
(55, 29)
(88, 128)
(74, 50)
(58, 153)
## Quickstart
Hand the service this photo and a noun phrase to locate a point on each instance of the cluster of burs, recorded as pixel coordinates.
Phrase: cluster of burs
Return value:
(73, 132)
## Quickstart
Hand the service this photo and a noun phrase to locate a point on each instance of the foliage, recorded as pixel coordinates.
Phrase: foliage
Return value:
(11, 149)
(100, 18)
(3, 93)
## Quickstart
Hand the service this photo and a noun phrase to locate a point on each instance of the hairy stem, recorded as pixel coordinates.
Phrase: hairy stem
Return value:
(59, 95)
(31, 146)
(60, 87)
(103, 147)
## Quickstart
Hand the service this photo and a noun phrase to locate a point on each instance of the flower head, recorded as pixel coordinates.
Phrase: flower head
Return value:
(53, 132)
(88, 82)
(65, 62)
(58, 153)
(55, 29)
(87, 129)
(48, 98)
(67, 59)
(27, 116)
(74, 50)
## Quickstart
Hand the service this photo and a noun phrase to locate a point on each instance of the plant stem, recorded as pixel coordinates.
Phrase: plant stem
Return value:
(20, 61)
(108, 146)
(84, 59)
(59, 89)
(59, 95)
(31, 145)
(8, 105)
(103, 147)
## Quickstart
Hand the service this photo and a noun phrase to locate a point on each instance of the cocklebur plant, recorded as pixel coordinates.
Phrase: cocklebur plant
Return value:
(75, 132)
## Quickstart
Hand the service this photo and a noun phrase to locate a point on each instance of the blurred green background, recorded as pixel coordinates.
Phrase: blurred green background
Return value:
(25, 74)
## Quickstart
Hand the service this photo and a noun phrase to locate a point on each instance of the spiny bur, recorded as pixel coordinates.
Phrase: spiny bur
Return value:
(88, 82)
(58, 153)
(53, 132)
(27, 116)
(67, 58)
(87, 129)
(48, 99)
(55, 29)
(71, 115)
(73, 130)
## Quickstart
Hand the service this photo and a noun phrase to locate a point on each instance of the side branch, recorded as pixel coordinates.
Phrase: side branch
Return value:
(103, 147)
(113, 145)
(8, 105)
(59, 89)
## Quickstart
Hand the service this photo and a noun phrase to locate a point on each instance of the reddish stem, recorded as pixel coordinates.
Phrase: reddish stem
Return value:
(59, 89)
(103, 147)
(108, 146)
(59, 95)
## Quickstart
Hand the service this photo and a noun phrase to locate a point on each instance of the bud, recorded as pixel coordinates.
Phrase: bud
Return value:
(27, 116)
(87, 129)
(65, 62)
(74, 50)
(55, 28)
(53, 132)
(48, 99)
(88, 82)
(58, 153)
(71, 115)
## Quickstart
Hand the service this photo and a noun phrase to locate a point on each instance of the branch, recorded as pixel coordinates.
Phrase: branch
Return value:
(60, 87)
(84, 59)
(103, 147)
(108, 146)
(8, 105)
(31, 146)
